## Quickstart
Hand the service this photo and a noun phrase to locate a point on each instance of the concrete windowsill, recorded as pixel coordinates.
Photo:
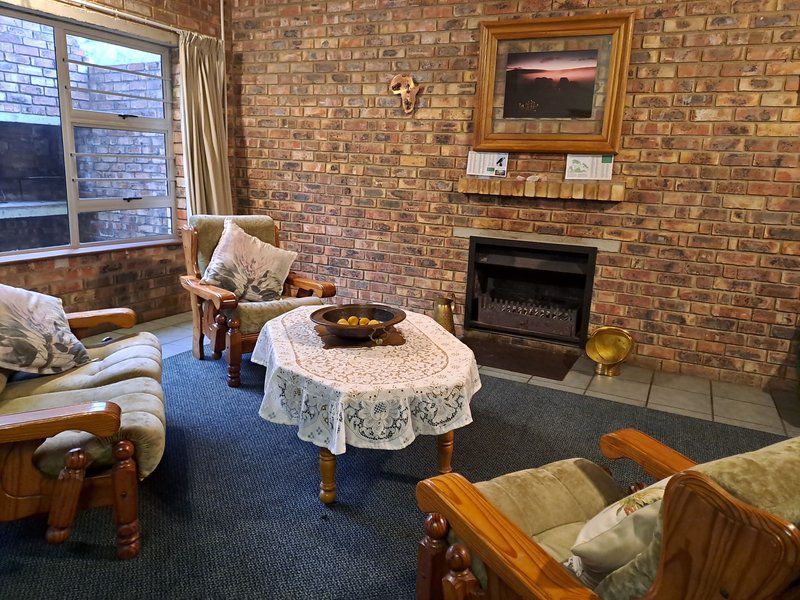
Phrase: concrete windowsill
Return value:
(67, 252)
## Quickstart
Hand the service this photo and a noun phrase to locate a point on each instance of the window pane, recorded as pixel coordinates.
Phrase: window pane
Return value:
(96, 88)
(104, 80)
(33, 190)
(112, 225)
(117, 105)
(92, 140)
(121, 188)
(107, 54)
(121, 167)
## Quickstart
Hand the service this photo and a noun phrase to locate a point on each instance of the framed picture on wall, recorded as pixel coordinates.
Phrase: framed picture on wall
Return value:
(553, 85)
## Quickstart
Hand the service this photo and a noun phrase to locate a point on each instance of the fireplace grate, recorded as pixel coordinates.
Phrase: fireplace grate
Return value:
(535, 314)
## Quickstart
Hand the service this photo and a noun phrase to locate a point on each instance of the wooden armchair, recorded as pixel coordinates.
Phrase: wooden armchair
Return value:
(713, 545)
(217, 313)
(26, 491)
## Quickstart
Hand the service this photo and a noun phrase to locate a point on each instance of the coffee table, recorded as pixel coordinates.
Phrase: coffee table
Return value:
(378, 397)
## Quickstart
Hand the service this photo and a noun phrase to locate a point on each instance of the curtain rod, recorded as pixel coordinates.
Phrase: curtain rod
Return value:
(128, 16)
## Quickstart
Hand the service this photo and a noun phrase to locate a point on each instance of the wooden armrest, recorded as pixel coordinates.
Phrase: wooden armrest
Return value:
(655, 458)
(323, 289)
(121, 317)
(221, 298)
(505, 549)
(98, 418)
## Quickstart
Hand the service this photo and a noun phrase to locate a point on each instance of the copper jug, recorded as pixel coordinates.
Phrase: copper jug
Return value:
(443, 313)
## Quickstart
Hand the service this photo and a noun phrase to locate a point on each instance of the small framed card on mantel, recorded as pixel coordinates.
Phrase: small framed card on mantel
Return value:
(589, 166)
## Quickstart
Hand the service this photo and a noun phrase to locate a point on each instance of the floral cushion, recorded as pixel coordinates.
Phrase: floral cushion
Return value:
(616, 534)
(34, 334)
(253, 270)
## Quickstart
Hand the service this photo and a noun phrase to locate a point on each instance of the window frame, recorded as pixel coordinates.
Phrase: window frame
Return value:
(71, 118)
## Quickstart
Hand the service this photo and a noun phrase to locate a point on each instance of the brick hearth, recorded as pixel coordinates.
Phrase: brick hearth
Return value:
(706, 276)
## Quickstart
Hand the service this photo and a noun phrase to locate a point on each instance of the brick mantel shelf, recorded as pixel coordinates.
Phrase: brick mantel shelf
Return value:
(602, 191)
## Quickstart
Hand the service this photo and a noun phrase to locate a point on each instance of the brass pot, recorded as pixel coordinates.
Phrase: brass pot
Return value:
(609, 347)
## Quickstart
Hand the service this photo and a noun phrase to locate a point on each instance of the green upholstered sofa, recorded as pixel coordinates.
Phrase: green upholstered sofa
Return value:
(84, 437)
(726, 529)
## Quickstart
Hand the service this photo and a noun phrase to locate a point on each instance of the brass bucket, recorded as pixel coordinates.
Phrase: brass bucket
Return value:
(609, 347)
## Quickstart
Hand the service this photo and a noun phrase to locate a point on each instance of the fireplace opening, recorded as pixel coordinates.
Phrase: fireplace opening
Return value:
(530, 289)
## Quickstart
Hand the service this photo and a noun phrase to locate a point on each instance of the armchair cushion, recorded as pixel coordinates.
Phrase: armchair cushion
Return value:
(34, 334)
(616, 534)
(251, 269)
(768, 479)
(551, 504)
(253, 315)
(209, 230)
(126, 371)
(137, 355)
(143, 423)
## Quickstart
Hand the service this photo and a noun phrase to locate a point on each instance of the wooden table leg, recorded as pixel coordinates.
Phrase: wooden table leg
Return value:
(327, 471)
(444, 447)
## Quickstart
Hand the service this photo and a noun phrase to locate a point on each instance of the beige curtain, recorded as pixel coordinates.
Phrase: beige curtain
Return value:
(205, 140)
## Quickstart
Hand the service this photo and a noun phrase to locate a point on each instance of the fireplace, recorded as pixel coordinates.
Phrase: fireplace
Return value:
(530, 289)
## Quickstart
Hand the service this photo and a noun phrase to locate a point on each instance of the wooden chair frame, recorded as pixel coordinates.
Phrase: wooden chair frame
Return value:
(713, 545)
(25, 491)
(208, 303)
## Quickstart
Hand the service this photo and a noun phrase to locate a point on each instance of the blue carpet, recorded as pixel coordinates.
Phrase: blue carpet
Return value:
(232, 511)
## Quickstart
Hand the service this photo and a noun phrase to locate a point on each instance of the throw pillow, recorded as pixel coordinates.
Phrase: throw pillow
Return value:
(616, 534)
(35, 335)
(251, 269)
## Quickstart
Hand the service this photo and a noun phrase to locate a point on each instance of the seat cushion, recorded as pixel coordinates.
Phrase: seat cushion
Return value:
(550, 504)
(137, 355)
(253, 315)
(209, 230)
(143, 423)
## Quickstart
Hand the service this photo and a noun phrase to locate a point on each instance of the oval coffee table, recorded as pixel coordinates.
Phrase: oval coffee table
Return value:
(378, 397)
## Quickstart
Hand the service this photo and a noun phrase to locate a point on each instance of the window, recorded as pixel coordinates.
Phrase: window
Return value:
(85, 126)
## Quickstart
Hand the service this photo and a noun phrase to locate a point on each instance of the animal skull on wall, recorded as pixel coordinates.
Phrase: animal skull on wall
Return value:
(404, 86)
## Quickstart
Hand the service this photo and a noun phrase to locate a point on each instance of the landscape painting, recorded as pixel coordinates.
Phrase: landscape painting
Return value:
(550, 85)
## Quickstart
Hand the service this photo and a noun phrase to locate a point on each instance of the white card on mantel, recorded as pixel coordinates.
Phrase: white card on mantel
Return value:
(491, 164)
(589, 166)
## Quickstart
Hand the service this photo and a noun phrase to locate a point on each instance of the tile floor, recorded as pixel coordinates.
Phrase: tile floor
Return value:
(174, 333)
(696, 397)
(680, 394)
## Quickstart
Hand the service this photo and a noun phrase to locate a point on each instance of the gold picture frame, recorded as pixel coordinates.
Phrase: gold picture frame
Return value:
(521, 107)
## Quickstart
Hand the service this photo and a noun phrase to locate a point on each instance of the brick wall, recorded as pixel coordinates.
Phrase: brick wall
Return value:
(143, 278)
(707, 276)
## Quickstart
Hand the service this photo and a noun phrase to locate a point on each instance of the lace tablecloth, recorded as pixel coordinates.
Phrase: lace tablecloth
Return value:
(379, 397)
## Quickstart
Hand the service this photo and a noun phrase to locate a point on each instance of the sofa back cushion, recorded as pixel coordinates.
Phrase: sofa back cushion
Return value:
(209, 230)
(34, 334)
(768, 479)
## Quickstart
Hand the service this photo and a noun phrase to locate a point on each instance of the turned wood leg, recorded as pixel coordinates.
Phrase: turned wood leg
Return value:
(327, 471)
(197, 328)
(431, 558)
(125, 480)
(444, 447)
(66, 494)
(220, 328)
(460, 583)
(234, 353)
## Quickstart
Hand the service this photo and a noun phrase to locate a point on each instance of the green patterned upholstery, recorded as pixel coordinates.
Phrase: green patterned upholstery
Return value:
(209, 230)
(550, 504)
(127, 372)
(253, 315)
(768, 479)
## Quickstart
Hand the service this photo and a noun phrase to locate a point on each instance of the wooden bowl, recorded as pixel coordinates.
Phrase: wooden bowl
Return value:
(328, 316)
